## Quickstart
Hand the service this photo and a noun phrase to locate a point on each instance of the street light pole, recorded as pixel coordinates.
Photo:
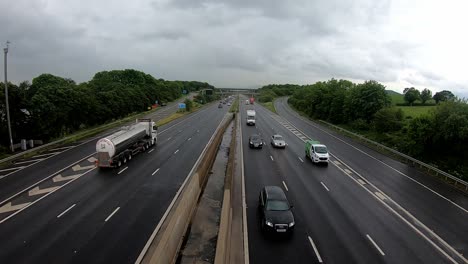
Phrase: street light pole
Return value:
(6, 98)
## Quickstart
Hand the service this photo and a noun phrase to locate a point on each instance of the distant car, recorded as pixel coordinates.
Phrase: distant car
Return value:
(255, 141)
(275, 211)
(277, 141)
(220, 105)
(163, 103)
(229, 104)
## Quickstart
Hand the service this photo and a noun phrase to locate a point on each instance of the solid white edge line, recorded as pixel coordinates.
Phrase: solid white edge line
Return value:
(315, 249)
(64, 212)
(244, 203)
(375, 245)
(150, 151)
(156, 171)
(163, 218)
(54, 149)
(60, 187)
(300, 159)
(419, 223)
(389, 166)
(324, 186)
(286, 187)
(28, 161)
(115, 211)
(14, 168)
(48, 177)
(124, 169)
(46, 154)
(95, 138)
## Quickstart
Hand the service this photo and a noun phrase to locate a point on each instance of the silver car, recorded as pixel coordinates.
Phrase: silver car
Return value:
(277, 141)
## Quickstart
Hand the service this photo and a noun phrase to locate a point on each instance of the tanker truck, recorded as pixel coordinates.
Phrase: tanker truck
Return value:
(119, 147)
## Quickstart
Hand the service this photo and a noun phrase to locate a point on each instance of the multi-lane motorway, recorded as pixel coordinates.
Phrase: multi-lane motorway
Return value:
(103, 216)
(362, 208)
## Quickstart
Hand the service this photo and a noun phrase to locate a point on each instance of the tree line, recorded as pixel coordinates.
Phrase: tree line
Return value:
(412, 94)
(438, 137)
(52, 106)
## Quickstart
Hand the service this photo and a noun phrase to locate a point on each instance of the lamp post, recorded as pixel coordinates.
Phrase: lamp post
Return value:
(6, 98)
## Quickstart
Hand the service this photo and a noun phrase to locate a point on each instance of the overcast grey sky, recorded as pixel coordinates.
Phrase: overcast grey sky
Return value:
(242, 43)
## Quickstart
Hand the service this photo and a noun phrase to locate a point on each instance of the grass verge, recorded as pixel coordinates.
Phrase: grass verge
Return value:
(235, 106)
(270, 106)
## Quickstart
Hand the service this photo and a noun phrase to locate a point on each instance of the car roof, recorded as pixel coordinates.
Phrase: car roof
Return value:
(277, 135)
(274, 193)
(254, 135)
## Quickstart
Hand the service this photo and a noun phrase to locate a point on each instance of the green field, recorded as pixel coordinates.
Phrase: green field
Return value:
(397, 98)
(415, 111)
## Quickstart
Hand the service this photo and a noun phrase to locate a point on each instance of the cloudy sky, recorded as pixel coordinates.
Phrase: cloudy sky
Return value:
(243, 43)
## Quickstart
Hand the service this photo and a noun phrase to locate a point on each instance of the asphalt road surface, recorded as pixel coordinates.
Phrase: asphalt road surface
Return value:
(340, 217)
(106, 216)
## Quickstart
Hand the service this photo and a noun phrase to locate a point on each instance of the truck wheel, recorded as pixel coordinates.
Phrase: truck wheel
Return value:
(125, 160)
(130, 156)
(119, 163)
(143, 147)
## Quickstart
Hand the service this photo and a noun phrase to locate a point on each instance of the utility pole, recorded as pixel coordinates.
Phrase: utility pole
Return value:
(6, 98)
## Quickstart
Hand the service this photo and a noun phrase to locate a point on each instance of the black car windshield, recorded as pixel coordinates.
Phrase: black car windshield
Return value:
(254, 138)
(278, 138)
(276, 205)
(321, 150)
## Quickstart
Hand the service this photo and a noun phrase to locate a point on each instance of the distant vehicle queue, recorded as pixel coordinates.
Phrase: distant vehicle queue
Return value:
(314, 150)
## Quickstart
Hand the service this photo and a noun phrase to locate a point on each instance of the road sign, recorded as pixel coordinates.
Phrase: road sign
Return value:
(181, 106)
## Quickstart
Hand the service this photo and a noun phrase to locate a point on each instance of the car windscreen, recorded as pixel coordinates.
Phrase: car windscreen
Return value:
(277, 205)
(278, 138)
(321, 150)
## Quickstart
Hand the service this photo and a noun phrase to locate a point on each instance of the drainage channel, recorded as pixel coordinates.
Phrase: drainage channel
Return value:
(201, 238)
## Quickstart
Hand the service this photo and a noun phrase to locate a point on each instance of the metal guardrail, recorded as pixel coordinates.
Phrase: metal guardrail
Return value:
(105, 126)
(409, 158)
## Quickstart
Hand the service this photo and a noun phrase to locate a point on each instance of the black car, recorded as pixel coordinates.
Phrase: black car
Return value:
(255, 141)
(275, 211)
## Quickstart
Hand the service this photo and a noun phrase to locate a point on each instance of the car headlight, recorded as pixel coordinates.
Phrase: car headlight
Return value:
(292, 224)
(268, 223)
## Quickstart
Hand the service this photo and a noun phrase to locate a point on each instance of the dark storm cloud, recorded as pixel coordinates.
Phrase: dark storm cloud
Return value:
(226, 42)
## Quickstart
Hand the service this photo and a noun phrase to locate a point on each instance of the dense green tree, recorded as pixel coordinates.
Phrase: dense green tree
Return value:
(411, 94)
(388, 119)
(426, 95)
(364, 100)
(443, 96)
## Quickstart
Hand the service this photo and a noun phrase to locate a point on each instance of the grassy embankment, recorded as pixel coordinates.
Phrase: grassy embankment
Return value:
(270, 106)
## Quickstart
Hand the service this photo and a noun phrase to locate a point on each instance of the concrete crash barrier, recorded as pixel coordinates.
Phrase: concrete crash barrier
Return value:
(164, 245)
(232, 244)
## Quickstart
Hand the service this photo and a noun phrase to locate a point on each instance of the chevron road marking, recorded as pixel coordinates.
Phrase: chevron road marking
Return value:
(60, 178)
(8, 207)
(37, 190)
(79, 168)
